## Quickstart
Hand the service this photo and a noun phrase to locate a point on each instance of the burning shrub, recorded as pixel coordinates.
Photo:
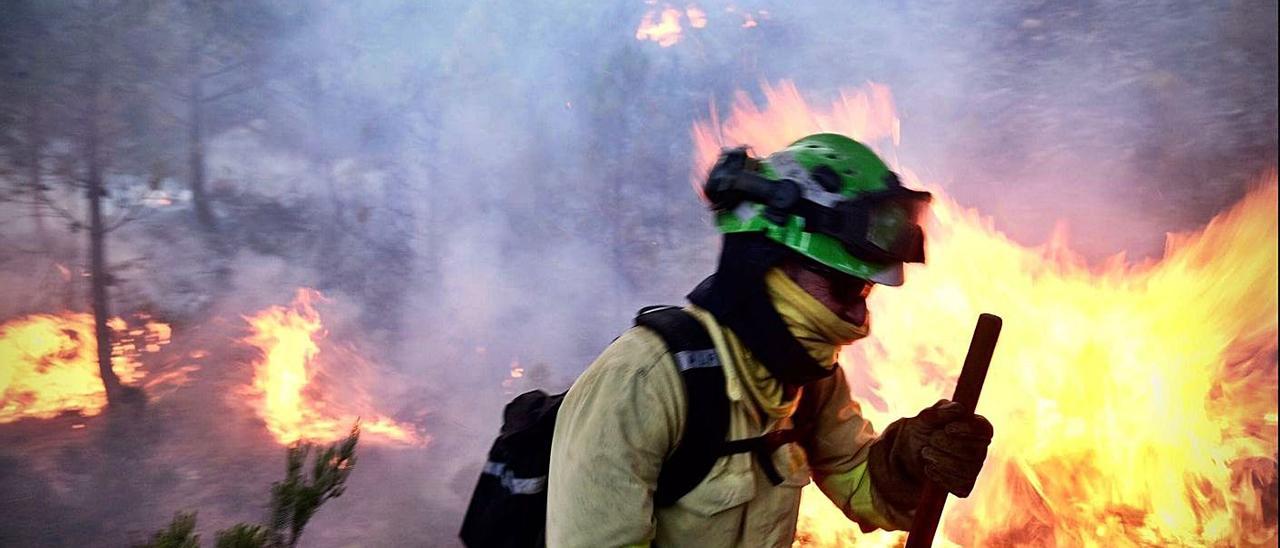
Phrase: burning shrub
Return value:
(305, 387)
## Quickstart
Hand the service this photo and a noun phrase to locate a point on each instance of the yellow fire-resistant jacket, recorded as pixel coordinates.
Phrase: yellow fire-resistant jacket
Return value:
(625, 415)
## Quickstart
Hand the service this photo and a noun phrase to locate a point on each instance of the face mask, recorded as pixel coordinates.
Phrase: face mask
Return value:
(819, 330)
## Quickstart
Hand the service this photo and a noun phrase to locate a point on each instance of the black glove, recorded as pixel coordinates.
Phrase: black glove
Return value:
(944, 443)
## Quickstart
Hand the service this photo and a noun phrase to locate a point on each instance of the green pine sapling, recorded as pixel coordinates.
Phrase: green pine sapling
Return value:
(294, 501)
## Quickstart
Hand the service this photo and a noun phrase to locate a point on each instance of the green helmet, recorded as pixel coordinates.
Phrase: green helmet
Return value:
(826, 197)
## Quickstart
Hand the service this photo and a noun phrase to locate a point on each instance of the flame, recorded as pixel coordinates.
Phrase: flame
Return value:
(697, 17)
(308, 389)
(662, 27)
(1134, 404)
(748, 19)
(50, 363)
(867, 113)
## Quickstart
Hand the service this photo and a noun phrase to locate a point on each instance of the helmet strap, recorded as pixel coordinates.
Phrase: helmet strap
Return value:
(736, 296)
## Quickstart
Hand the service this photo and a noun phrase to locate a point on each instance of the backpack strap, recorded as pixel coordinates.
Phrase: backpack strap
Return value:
(707, 416)
(762, 447)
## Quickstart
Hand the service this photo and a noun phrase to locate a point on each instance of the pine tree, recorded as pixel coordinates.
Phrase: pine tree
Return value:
(294, 501)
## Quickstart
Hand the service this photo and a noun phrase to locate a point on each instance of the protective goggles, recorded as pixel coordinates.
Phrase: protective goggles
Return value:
(881, 226)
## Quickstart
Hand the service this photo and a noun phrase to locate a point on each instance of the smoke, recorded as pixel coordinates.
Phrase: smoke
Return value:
(1099, 116)
(518, 175)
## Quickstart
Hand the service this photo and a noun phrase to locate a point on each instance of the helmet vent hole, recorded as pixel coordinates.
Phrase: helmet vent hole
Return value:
(832, 157)
(827, 178)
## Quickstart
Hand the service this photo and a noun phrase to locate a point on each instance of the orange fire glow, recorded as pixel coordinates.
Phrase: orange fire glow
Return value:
(697, 17)
(1134, 404)
(50, 363)
(307, 388)
(662, 27)
(665, 25)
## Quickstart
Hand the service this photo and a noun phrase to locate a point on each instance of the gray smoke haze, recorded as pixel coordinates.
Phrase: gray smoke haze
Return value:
(516, 178)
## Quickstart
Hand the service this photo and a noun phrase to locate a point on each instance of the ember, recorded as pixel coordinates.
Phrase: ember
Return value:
(51, 366)
(1134, 404)
(309, 389)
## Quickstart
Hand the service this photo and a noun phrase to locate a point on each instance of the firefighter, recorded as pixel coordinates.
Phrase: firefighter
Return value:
(808, 232)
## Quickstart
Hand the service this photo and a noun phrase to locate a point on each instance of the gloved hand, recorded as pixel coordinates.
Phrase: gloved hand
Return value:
(944, 443)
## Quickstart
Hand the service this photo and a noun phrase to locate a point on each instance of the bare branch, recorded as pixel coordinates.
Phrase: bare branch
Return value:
(225, 69)
(168, 88)
(231, 90)
(62, 212)
(132, 214)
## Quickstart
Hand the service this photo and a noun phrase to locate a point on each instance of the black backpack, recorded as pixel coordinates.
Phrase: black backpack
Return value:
(509, 505)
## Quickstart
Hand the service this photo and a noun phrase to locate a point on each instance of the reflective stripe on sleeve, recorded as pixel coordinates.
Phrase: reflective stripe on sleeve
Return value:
(516, 486)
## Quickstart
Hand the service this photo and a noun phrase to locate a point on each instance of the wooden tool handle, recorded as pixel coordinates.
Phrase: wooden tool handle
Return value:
(968, 388)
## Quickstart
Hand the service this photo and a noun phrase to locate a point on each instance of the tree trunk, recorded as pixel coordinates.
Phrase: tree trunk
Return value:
(100, 278)
(195, 141)
(35, 146)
